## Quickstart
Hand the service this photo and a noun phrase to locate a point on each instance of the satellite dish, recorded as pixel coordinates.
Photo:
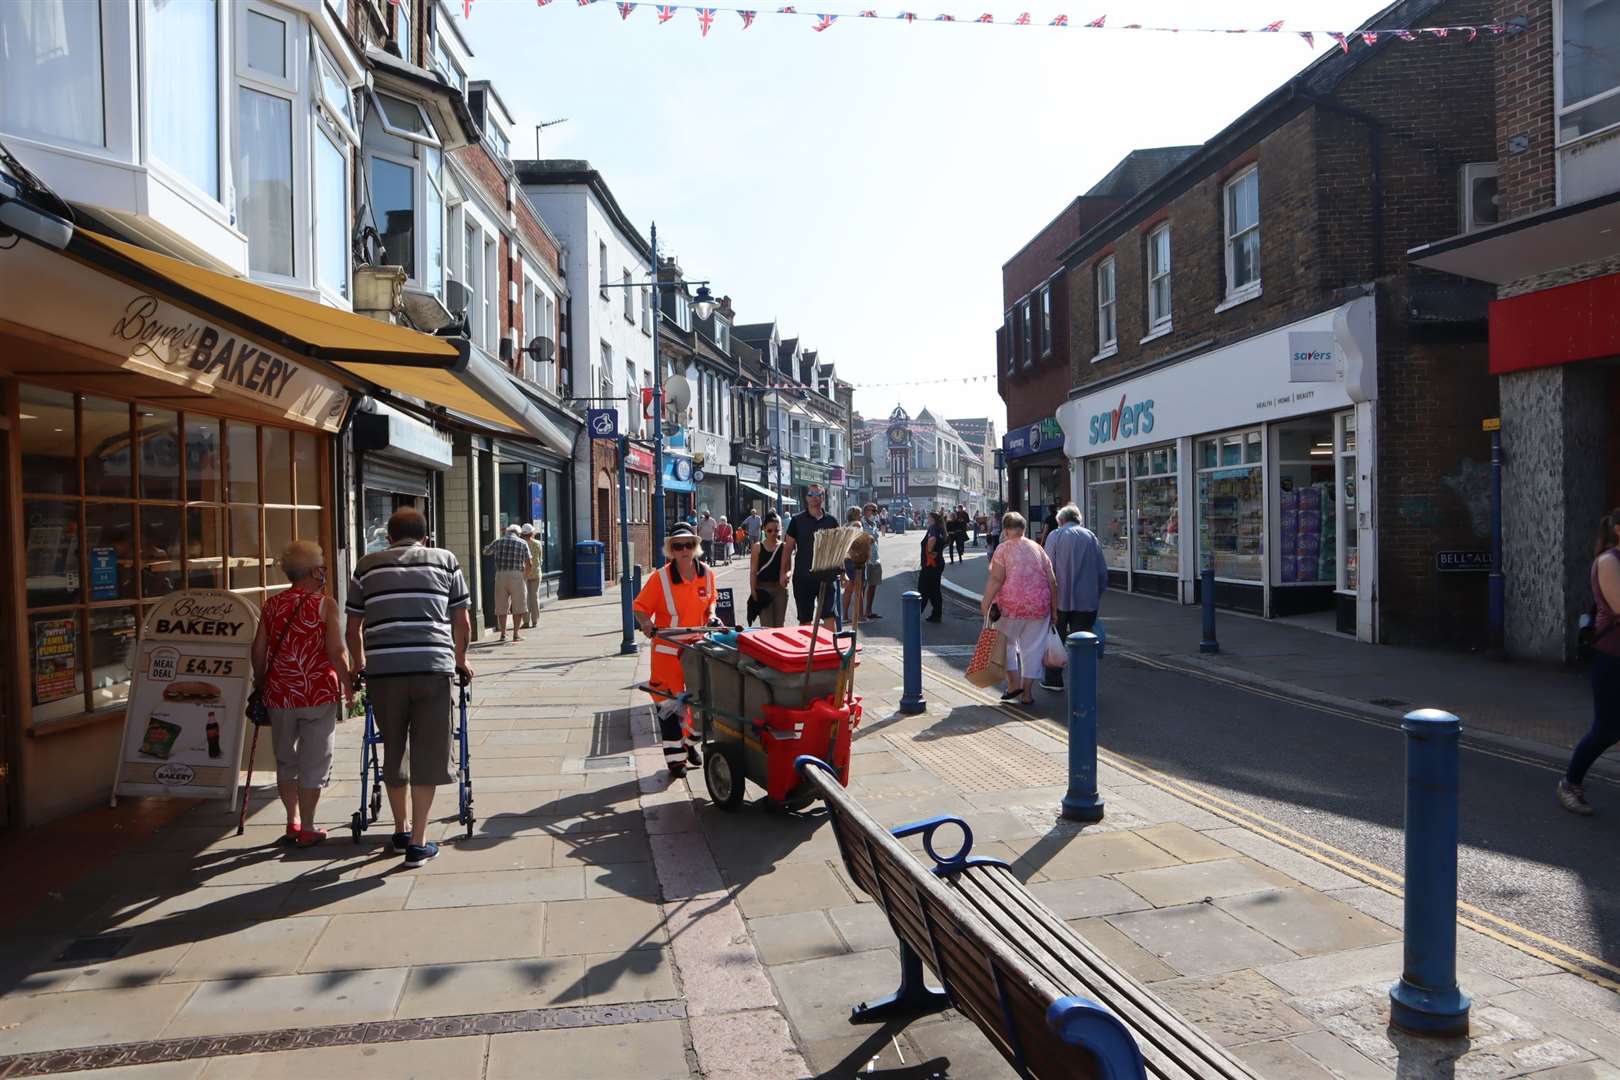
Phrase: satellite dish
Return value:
(542, 349)
(677, 393)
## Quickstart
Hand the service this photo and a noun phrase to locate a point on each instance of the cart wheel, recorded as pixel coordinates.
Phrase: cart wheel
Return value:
(356, 826)
(376, 802)
(723, 775)
(471, 821)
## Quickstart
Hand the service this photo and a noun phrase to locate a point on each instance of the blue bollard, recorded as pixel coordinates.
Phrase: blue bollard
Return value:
(635, 581)
(1209, 644)
(911, 693)
(1081, 802)
(1427, 1001)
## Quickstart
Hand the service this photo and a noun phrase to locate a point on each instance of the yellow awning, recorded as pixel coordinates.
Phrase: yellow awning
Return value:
(436, 387)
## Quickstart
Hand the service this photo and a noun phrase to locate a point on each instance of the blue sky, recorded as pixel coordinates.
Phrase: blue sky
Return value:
(864, 185)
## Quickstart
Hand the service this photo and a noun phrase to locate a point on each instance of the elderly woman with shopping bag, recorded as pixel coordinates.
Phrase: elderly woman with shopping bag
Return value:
(1019, 601)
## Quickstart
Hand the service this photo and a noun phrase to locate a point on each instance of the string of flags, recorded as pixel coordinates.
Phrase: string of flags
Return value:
(821, 22)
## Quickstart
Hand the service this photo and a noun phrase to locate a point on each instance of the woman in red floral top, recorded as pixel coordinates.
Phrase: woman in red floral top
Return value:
(303, 671)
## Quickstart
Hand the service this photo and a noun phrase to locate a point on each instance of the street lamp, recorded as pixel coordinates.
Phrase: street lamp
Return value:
(703, 303)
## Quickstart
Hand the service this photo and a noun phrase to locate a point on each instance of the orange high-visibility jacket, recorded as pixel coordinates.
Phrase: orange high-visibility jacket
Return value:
(669, 600)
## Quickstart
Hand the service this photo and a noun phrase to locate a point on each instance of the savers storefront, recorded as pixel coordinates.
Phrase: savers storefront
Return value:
(162, 428)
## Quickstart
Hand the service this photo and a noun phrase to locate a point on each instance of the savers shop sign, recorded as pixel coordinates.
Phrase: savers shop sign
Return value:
(183, 731)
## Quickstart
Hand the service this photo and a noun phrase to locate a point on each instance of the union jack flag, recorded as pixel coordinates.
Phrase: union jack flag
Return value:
(823, 22)
(584, 3)
(1440, 31)
(1098, 22)
(1138, 26)
(944, 18)
(1344, 42)
(1022, 20)
(1472, 34)
(868, 15)
(466, 9)
(666, 12)
(706, 19)
(1272, 28)
(909, 16)
(542, 3)
(625, 10)
(1061, 20)
(787, 11)
(1310, 38)
(1406, 35)
(1497, 28)
(1370, 38)
(747, 18)
(986, 17)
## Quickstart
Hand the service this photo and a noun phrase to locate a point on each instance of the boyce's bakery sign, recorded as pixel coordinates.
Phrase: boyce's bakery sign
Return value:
(64, 298)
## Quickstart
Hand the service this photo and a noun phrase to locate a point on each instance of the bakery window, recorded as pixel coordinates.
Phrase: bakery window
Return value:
(123, 502)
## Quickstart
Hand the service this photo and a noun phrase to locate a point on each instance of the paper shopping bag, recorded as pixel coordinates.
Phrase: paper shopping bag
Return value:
(989, 663)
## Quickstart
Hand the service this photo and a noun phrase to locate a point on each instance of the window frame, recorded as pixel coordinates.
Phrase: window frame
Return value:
(224, 111)
(1159, 321)
(629, 297)
(1046, 320)
(602, 267)
(1107, 269)
(1562, 108)
(1026, 333)
(1235, 293)
(431, 138)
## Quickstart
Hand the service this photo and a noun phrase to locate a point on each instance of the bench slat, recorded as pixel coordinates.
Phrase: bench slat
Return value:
(1157, 1026)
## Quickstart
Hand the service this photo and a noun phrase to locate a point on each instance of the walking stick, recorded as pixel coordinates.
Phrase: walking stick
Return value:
(241, 815)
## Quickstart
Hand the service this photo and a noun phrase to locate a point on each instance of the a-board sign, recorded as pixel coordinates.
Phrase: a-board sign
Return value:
(183, 731)
(725, 607)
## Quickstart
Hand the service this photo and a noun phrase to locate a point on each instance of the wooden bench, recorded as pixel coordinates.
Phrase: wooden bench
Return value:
(1050, 1003)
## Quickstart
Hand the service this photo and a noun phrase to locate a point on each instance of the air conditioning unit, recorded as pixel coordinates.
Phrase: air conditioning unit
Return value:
(1477, 198)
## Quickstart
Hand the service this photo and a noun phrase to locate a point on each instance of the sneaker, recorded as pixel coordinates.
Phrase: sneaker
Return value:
(676, 770)
(401, 841)
(416, 856)
(693, 758)
(1058, 688)
(1572, 797)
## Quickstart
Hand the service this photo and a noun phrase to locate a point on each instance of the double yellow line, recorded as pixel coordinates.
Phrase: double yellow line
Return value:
(1492, 926)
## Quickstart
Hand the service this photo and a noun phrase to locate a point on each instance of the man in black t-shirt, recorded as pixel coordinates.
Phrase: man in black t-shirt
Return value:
(800, 543)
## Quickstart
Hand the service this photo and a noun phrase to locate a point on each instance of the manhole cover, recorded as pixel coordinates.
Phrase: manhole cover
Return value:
(987, 760)
(616, 761)
(91, 949)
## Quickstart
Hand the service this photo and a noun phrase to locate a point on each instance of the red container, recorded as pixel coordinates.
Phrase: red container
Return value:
(786, 648)
(822, 730)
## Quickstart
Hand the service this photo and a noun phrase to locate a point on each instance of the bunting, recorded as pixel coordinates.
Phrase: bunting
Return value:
(822, 21)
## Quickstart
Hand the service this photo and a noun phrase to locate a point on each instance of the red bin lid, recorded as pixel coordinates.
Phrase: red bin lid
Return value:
(786, 648)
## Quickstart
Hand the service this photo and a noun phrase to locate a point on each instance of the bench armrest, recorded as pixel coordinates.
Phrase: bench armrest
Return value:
(927, 827)
(1082, 1022)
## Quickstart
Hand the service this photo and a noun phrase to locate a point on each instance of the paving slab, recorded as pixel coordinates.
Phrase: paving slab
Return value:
(609, 880)
(1172, 885)
(1302, 868)
(720, 971)
(1308, 922)
(282, 1001)
(803, 935)
(1199, 939)
(963, 1046)
(225, 903)
(633, 975)
(465, 856)
(493, 986)
(577, 927)
(877, 1053)
(382, 890)
(426, 1059)
(1338, 1057)
(863, 927)
(1235, 1008)
(428, 936)
(1282, 1060)
(747, 1046)
(1378, 965)
(498, 887)
(267, 948)
(817, 995)
(1135, 960)
(647, 1051)
(793, 887)
(1186, 844)
(1091, 854)
(1081, 898)
(1580, 997)
(87, 1017)
(161, 1070)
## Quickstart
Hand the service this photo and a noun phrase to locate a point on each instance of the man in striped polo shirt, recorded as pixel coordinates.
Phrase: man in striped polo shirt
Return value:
(408, 632)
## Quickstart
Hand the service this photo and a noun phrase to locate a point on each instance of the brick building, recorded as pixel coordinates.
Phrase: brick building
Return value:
(1260, 381)
(1553, 258)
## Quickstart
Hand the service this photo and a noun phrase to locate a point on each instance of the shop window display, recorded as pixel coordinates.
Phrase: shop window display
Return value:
(1349, 569)
(1157, 516)
(1106, 510)
(1231, 506)
(1307, 526)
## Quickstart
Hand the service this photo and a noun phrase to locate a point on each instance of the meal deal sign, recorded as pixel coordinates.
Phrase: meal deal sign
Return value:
(183, 732)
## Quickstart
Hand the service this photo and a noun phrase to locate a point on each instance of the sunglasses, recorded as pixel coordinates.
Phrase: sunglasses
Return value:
(682, 545)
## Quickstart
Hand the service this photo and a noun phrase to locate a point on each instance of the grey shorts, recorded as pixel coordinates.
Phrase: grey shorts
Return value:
(413, 711)
(874, 574)
(511, 594)
(303, 743)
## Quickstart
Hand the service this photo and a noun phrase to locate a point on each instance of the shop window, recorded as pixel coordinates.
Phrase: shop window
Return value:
(1106, 508)
(51, 84)
(1231, 506)
(1242, 204)
(95, 562)
(1157, 534)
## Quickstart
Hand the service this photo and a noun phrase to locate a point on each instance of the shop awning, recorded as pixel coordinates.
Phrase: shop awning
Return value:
(439, 371)
(1523, 247)
(767, 492)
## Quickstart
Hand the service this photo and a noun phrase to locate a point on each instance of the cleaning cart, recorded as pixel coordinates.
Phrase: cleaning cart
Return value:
(762, 697)
(371, 794)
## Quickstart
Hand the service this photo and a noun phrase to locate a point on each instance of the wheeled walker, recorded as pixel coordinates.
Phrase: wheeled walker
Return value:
(371, 794)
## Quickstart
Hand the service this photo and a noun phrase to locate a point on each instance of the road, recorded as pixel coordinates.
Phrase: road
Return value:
(1333, 777)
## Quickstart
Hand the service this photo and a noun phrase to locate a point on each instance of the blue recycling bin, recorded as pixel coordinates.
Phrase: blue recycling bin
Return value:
(588, 555)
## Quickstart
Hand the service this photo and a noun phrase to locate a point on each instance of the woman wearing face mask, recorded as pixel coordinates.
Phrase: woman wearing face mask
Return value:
(302, 669)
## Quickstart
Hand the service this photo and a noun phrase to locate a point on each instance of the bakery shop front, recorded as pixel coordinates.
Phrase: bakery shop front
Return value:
(162, 427)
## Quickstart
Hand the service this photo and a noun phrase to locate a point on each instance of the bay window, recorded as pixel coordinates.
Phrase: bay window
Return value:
(1588, 67)
(50, 71)
(264, 180)
(183, 96)
(393, 204)
(331, 213)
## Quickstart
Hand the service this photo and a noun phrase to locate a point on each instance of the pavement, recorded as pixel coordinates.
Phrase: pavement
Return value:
(1534, 706)
(603, 923)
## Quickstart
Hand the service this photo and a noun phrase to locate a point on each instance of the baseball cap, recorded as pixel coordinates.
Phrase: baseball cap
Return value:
(527, 529)
(511, 528)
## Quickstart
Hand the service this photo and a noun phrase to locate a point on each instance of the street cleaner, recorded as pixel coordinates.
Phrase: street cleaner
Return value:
(681, 593)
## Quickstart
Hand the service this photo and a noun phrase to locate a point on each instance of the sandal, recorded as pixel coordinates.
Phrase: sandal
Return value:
(290, 836)
(310, 837)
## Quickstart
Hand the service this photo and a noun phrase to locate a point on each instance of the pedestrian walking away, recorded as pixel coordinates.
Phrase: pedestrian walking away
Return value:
(1082, 578)
(532, 573)
(722, 541)
(301, 670)
(1019, 600)
(705, 532)
(958, 532)
(1604, 645)
(765, 583)
(932, 567)
(679, 593)
(871, 521)
(801, 548)
(407, 634)
(512, 558)
(995, 533)
(748, 532)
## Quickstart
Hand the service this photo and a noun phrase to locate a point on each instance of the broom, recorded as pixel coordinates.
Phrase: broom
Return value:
(826, 562)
